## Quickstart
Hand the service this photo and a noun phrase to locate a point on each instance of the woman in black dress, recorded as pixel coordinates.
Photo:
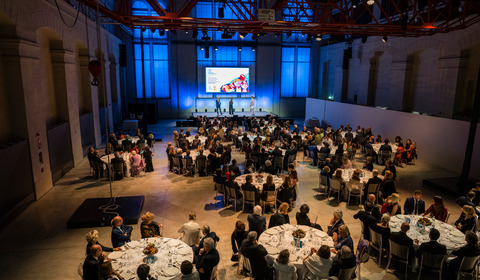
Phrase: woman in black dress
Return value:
(384, 230)
(147, 155)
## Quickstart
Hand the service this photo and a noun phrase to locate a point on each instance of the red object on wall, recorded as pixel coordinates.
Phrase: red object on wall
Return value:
(95, 69)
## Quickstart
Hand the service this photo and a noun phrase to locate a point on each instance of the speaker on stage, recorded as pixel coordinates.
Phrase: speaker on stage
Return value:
(206, 110)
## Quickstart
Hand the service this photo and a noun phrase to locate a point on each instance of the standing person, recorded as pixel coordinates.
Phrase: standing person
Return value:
(190, 230)
(252, 106)
(218, 108)
(230, 106)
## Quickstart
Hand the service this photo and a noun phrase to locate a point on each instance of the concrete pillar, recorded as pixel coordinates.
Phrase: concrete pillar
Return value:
(397, 78)
(448, 71)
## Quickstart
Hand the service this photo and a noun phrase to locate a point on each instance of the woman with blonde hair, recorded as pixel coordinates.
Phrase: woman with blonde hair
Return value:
(384, 230)
(343, 238)
(467, 220)
(149, 228)
(92, 239)
(394, 208)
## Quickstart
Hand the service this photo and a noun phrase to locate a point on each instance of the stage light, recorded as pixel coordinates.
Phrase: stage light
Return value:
(161, 32)
(253, 49)
(186, 31)
(153, 29)
(194, 34)
(384, 39)
(226, 35)
(221, 13)
(205, 36)
(318, 37)
(202, 48)
(239, 49)
(309, 37)
(243, 35)
(216, 48)
(355, 3)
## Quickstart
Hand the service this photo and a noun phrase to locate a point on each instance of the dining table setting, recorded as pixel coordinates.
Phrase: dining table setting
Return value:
(126, 157)
(166, 262)
(259, 179)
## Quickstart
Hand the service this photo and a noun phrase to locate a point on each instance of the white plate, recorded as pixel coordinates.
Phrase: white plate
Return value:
(272, 250)
(185, 251)
(115, 255)
(133, 244)
(170, 271)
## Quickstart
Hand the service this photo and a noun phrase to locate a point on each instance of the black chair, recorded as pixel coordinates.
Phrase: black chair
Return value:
(119, 170)
(400, 253)
(201, 166)
(278, 162)
(432, 262)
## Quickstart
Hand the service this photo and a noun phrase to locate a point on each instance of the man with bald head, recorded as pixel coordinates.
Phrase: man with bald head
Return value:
(376, 209)
(92, 263)
(120, 233)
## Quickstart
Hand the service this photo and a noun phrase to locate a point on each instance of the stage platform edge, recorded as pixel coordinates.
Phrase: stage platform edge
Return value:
(261, 114)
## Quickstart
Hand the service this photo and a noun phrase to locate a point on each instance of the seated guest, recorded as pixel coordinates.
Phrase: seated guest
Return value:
(269, 186)
(109, 149)
(318, 263)
(148, 227)
(256, 254)
(402, 238)
(366, 217)
(338, 177)
(437, 209)
(190, 230)
(368, 165)
(376, 209)
(237, 237)
(344, 259)
(134, 147)
(92, 239)
(303, 219)
(120, 233)
(119, 166)
(414, 205)
(147, 155)
(281, 217)
(249, 186)
(286, 192)
(476, 190)
(232, 184)
(394, 207)
(343, 238)
(208, 258)
(186, 268)
(206, 234)
(346, 163)
(336, 222)
(383, 229)
(374, 180)
(92, 263)
(399, 154)
(471, 249)
(98, 164)
(326, 171)
(218, 178)
(467, 220)
(282, 265)
(107, 273)
(249, 167)
(432, 246)
(213, 162)
(388, 185)
(257, 222)
(269, 168)
(469, 200)
(234, 168)
(136, 160)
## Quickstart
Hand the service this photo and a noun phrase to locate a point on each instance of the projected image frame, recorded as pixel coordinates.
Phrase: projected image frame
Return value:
(202, 86)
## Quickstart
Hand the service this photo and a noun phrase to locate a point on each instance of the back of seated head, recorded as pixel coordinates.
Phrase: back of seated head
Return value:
(192, 216)
(304, 209)
(386, 141)
(142, 271)
(368, 206)
(291, 166)
(471, 238)
(470, 195)
(326, 144)
(375, 172)
(405, 227)
(257, 210)
(252, 236)
(434, 234)
(188, 152)
(248, 178)
(234, 162)
(206, 229)
(186, 267)
(268, 163)
(324, 252)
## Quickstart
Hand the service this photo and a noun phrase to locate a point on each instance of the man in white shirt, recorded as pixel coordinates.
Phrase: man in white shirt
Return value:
(190, 230)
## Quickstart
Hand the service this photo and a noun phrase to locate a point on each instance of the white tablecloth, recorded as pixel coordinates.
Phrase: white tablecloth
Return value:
(201, 138)
(194, 154)
(451, 237)
(258, 182)
(280, 237)
(134, 140)
(376, 147)
(126, 158)
(333, 149)
(171, 254)
(365, 175)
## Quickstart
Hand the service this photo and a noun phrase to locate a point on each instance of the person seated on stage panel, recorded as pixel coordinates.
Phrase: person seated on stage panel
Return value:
(207, 233)
(93, 262)
(318, 263)
(471, 249)
(336, 222)
(249, 186)
(120, 233)
(148, 156)
(432, 246)
(414, 205)
(257, 222)
(190, 230)
(92, 239)
(467, 220)
(343, 238)
(269, 168)
(238, 235)
(388, 185)
(437, 209)
(208, 258)
(234, 168)
(256, 253)
(383, 229)
(186, 268)
(303, 219)
(283, 265)
(367, 219)
(136, 161)
(394, 208)
(346, 163)
(344, 259)
(368, 165)
(281, 217)
(148, 227)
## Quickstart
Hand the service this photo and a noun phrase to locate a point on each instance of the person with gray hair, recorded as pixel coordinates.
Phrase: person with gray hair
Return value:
(256, 254)
(257, 222)
(283, 267)
(344, 259)
(336, 222)
(206, 234)
(269, 168)
(208, 258)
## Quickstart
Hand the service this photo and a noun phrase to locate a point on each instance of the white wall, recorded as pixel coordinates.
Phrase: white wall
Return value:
(439, 141)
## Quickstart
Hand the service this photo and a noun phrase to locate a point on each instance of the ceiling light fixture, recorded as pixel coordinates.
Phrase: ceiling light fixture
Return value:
(370, 2)
(384, 39)
(243, 35)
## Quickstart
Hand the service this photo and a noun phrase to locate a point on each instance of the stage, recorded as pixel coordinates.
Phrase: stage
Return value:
(246, 114)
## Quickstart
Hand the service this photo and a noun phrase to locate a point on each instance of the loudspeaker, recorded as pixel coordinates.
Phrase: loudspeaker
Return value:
(122, 55)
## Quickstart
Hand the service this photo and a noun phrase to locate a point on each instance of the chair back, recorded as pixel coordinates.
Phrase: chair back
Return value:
(188, 162)
(335, 185)
(271, 197)
(141, 145)
(399, 251)
(247, 265)
(117, 166)
(213, 276)
(249, 196)
(369, 152)
(372, 188)
(468, 264)
(278, 161)
(376, 238)
(201, 163)
(228, 192)
(324, 180)
(176, 162)
(354, 186)
(432, 261)
(282, 275)
(291, 158)
(346, 274)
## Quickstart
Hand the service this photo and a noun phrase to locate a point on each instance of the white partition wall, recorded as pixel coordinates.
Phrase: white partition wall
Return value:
(440, 141)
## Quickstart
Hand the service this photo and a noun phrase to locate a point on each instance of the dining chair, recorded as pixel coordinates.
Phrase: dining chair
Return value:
(354, 189)
(431, 262)
(335, 187)
(400, 253)
(248, 198)
(213, 276)
(248, 267)
(376, 243)
(448, 216)
(282, 275)
(271, 199)
(468, 266)
(231, 194)
(373, 189)
(220, 189)
(323, 185)
(346, 274)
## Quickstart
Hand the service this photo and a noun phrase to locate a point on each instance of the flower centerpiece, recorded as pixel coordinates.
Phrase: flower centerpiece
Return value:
(150, 252)
(298, 234)
(424, 222)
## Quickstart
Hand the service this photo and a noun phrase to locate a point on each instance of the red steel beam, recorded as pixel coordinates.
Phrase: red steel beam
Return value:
(156, 7)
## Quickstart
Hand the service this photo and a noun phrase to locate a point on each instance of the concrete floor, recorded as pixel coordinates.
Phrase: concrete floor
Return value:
(37, 244)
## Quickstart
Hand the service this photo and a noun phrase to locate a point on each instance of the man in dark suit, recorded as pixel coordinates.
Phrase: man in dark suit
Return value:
(126, 144)
(206, 234)
(257, 222)
(98, 164)
(414, 205)
(202, 158)
(256, 254)
(234, 168)
(325, 149)
(92, 263)
(269, 168)
(432, 246)
(386, 146)
(401, 238)
(120, 233)
(119, 166)
(249, 186)
(208, 258)
(290, 152)
(281, 217)
(374, 181)
(91, 154)
(277, 152)
(471, 249)
(469, 200)
(366, 217)
(376, 212)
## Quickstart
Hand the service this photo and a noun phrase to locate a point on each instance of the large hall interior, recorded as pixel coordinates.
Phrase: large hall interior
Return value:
(362, 117)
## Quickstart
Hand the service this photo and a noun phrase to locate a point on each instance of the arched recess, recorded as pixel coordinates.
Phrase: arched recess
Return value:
(379, 81)
(466, 82)
(52, 61)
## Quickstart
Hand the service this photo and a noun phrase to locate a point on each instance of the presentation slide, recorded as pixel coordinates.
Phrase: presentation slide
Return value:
(227, 79)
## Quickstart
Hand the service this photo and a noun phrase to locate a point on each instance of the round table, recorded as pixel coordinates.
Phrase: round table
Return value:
(450, 236)
(278, 238)
(376, 147)
(258, 182)
(134, 140)
(171, 254)
(201, 138)
(126, 158)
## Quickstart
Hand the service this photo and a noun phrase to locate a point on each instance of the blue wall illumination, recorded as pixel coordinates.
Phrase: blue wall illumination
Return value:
(295, 71)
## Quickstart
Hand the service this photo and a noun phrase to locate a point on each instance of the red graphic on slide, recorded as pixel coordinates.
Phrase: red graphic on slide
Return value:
(236, 85)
